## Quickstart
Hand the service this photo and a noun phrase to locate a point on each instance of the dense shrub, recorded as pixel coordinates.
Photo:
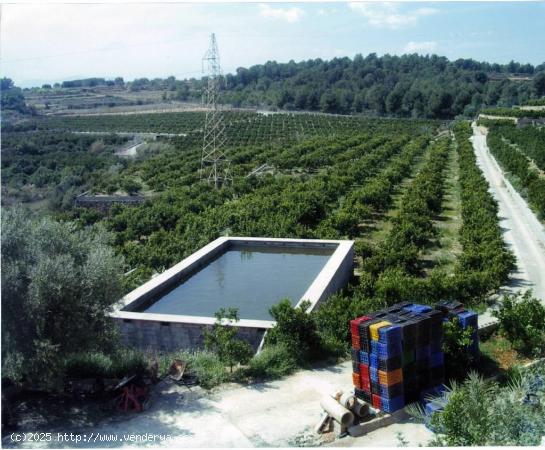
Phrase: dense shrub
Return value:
(522, 320)
(455, 343)
(58, 283)
(209, 369)
(333, 316)
(274, 361)
(119, 364)
(482, 412)
(295, 330)
(88, 365)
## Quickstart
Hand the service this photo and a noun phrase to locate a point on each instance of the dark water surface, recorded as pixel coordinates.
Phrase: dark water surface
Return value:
(251, 279)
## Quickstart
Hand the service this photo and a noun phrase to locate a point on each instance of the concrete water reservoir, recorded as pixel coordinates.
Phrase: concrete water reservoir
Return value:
(172, 310)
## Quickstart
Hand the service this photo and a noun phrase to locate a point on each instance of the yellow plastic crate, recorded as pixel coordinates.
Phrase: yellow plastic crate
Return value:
(373, 329)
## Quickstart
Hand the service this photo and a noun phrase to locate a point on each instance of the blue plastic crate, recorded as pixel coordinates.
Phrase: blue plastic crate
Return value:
(391, 405)
(437, 359)
(434, 391)
(364, 357)
(391, 363)
(373, 373)
(373, 360)
(436, 345)
(416, 308)
(469, 318)
(390, 334)
(355, 355)
(474, 348)
(430, 409)
(374, 347)
(422, 352)
(386, 351)
(390, 392)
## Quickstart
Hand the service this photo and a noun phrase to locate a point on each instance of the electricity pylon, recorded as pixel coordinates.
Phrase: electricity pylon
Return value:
(214, 163)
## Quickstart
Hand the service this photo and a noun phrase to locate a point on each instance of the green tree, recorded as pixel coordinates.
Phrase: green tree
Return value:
(456, 340)
(58, 282)
(295, 330)
(131, 186)
(522, 320)
(539, 83)
(223, 340)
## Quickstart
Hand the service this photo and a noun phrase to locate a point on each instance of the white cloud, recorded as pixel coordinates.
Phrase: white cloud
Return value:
(420, 47)
(387, 15)
(327, 12)
(290, 15)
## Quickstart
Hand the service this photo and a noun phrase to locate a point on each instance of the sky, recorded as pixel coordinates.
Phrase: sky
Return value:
(46, 43)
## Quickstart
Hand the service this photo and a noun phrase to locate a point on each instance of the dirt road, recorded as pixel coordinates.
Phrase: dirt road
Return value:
(279, 413)
(522, 232)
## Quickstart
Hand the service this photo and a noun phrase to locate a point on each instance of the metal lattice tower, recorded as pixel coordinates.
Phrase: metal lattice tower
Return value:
(214, 163)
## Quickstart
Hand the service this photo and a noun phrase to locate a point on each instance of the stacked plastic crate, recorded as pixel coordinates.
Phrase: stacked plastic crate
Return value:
(397, 353)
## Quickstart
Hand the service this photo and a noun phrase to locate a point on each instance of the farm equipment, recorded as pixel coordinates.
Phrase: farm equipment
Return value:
(133, 396)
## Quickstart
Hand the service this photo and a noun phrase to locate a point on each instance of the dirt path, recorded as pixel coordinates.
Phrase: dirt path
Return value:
(446, 248)
(280, 413)
(522, 232)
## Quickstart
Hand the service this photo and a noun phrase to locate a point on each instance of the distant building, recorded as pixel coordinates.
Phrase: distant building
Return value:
(104, 202)
(525, 121)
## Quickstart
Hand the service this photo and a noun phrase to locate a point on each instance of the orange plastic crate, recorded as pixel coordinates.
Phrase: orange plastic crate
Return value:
(356, 380)
(390, 378)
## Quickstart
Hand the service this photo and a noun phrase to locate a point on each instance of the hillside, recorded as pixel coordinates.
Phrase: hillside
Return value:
(410, 86)
(405, 86)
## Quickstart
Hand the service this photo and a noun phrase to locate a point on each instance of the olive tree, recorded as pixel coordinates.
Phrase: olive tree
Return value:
(58, 282)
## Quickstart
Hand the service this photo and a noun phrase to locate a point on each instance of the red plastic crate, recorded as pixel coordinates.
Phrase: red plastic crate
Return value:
(376, 401)
(364, 372)
(356, 342)
(366, 386)
(354, 324)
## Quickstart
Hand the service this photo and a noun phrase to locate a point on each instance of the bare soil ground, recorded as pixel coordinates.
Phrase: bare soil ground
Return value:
(279, 413)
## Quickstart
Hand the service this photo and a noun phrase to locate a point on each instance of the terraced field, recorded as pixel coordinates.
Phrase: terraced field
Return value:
(395, 186)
